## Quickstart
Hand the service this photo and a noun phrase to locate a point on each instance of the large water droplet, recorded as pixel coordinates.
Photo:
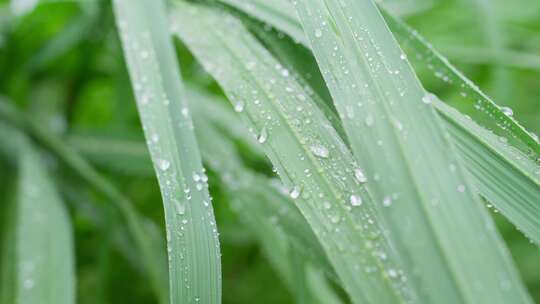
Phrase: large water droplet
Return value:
(295, 192)
(263, 136)
(179, 207)
(320, 151)
(508, 111)
(360, 176)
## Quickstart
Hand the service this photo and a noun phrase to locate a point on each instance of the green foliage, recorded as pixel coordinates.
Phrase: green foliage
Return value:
(322, 150)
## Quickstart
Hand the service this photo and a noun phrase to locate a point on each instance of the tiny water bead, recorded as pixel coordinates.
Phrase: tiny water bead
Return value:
(369, 120)
(163, 164)
(318, 33)
(429, 98)
(360, 176)
(355, 200)
(239, 107)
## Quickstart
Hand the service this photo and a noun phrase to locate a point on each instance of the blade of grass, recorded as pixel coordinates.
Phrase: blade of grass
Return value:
(400, 142)
(253, 205)
(261, 206)
(472, 101)
(521, 209)
(151, 256)
(306, 151)
(42, 257)
(192, 238)
(512, 186)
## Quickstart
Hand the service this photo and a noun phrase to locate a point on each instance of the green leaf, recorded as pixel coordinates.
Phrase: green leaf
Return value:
(192, 238)
(472, 101)
(280, 229)
(506, 177)
(151, 255)
(514, 150)
(416, 176)
(306, 151)
(40, 263)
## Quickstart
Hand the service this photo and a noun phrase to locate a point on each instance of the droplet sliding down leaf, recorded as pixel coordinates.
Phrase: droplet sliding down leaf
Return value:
(308, 154)
(415, 174)
(192, 238)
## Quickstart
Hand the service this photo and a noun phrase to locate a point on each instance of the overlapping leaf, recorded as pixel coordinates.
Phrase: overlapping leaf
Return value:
(306, 151)
(192, 238)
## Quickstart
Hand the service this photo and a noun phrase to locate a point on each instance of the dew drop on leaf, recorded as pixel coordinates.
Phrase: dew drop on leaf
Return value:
(320, 151)
(239, 107)
(360, 176)
(508, 111)
(295, 192)
(263, 136)
(355, 200)
(164, 164)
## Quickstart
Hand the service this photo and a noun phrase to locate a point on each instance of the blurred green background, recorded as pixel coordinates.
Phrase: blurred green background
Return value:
(62, 63)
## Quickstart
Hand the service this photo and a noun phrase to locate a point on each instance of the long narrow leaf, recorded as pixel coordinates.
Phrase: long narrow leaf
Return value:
(306, 151)
(42, 258)
(151, 254)
(415, 175)
(515, 143)
(192, 238)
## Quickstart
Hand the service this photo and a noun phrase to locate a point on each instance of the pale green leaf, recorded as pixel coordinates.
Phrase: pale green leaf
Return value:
(41, 260)
(192, 238)
(507, 194)
(416, 176)
(309, 156)
(152, 259)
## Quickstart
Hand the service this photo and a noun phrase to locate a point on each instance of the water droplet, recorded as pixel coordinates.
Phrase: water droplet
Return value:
(239, 107)
(461, 188)
(180, 208)
(164, 164)
(355, 200)
(320, 151)
(369, 120)
(387, 201)
(360, 176)
(28, 283)
(185, 112)
(429, 98)
(318, 33)
(508, 111)
(295, 192)
(263, 136)
(392, 273)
